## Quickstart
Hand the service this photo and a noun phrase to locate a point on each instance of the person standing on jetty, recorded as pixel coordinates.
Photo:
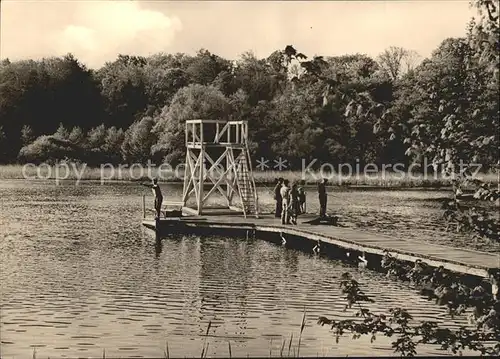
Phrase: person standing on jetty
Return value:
(302, 197)
(322, 197)
(294, 204)
(278, 198)
(285, 198)
(157, 194)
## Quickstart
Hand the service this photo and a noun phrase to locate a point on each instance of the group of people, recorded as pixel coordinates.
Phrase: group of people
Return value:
(291, 200)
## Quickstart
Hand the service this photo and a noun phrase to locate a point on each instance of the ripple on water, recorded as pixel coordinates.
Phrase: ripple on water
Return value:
(85, 278)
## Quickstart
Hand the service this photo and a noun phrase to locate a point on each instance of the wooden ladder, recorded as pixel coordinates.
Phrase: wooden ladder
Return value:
(246, 186)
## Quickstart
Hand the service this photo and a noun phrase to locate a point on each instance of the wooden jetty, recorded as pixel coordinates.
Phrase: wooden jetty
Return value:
(331, 238)
(223, 145)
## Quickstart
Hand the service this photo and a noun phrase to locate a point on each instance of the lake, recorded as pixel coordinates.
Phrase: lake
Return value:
(79, 275)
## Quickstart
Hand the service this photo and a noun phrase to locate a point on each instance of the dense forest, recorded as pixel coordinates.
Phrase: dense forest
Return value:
(395, 108)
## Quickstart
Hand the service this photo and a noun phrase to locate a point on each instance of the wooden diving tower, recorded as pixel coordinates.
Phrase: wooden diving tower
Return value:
(217, 155)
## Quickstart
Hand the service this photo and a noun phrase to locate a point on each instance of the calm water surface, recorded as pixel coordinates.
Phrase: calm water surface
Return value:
(79, 275)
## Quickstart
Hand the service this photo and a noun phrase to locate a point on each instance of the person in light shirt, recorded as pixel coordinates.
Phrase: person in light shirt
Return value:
(285, 198)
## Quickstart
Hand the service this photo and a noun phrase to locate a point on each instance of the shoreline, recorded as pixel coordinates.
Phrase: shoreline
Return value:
(260, 184)
(380, 180)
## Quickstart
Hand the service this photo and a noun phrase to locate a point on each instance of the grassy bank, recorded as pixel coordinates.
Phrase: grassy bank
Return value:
(85, 173)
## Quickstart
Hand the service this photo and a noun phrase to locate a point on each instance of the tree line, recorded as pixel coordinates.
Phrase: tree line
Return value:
(341, 109)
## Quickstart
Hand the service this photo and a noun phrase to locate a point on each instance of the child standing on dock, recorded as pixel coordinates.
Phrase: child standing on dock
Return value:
(157, 194)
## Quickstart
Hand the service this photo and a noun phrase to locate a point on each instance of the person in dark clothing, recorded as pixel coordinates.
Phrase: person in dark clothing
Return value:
(294, 204)
(322, 197)
(277, 198)
(302, 197)
(157, 194)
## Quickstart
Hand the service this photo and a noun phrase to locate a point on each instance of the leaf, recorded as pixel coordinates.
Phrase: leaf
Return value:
(392, 137)
(441, 108)
(487, 140)
(386, 112)
(349, 108)
(359, 110)
(447, 157)
(325, 100)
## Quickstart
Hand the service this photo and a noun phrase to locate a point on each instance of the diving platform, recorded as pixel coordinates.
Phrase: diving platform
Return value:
(218, 156)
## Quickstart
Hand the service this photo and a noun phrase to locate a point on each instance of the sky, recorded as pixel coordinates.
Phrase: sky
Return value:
(96, 31)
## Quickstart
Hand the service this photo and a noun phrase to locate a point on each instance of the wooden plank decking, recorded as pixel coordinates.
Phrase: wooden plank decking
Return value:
(455, 259)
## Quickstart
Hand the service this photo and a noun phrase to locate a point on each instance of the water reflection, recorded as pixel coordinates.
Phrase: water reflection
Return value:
(291, 261)
(158, 247)
(79, 275)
